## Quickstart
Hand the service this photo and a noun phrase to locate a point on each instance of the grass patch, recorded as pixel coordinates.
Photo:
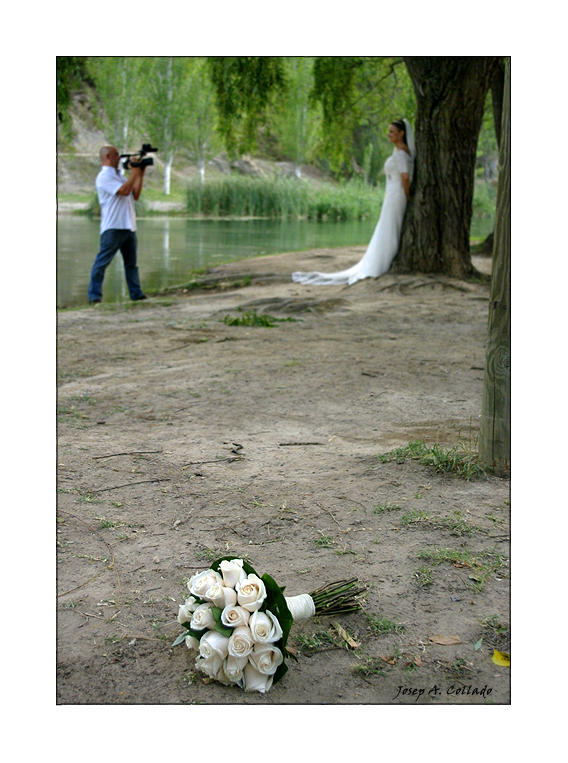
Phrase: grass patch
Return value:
(423, 577)
(480, 566)
(438, 555)
(413, 517)
(324, 542)
(373, 666)
(108, 524)
(458, 525)
(207, 554)
(251, 318)
(381, 625)
(383, 508)
(460, 460)
(315, 641)
(494, 623)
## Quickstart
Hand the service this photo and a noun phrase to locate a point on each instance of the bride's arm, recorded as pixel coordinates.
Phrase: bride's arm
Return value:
(405, 178)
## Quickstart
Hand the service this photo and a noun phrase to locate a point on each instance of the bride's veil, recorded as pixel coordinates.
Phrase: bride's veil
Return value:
(410, 138)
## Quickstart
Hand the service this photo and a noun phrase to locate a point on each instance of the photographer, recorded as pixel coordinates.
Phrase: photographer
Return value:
(118, 222)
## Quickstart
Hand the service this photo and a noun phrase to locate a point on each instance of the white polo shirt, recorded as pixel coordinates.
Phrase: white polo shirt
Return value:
(116, 211)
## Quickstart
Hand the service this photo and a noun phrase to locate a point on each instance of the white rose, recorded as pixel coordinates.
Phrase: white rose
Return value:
(186, 610)
(233, 616)
(202, 582)
(251, 593)
(202, 617)
(232, 572)
(233, 667)
(265, 627)
(209, 665)
(191, 642)
(222, 677)
(266, 658)
(213, 644)
(241, 642)
(255, 681)
(221, 596)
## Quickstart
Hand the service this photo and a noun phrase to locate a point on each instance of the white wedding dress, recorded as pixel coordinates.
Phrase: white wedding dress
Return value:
(384, 244)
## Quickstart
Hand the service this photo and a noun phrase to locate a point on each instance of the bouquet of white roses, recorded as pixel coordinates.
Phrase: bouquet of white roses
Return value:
(239, 622)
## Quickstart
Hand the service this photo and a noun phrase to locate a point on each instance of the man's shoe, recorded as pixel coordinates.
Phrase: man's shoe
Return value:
(95, 302)
(140, 298)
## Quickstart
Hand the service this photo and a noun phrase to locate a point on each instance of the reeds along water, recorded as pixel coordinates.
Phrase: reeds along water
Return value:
(236, 196)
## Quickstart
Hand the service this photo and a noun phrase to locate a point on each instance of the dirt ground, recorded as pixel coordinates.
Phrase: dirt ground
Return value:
(182, 438)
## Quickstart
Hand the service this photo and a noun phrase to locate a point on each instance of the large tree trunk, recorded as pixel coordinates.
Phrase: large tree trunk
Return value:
(495, 433)
(450, 94)
(497, 97)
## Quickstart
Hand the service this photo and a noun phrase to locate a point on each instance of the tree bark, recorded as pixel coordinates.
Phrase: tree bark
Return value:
(497, 96)
(450, 94)
(495, 433)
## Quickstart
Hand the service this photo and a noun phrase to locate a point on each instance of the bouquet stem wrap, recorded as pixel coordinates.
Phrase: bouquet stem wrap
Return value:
(301, 607)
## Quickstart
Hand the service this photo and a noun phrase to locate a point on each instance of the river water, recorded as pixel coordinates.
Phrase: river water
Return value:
(170, 248)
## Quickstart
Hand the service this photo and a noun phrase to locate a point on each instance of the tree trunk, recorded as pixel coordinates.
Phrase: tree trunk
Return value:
(495, 434)
(497, 95)
(168, 173)
(450, 94)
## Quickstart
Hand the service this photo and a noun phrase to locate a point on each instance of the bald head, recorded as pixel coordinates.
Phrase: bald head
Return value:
(109, 156)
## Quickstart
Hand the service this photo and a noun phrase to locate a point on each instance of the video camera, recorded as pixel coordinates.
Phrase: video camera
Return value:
(141, 161)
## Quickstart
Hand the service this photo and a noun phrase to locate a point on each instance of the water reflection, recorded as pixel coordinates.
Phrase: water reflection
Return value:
(170, 248)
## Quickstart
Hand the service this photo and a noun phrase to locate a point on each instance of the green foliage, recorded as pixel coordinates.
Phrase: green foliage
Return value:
(360, 96)
(71, 73)
(295, 119)
(202, 115)
(119, 83)
(244, 87)
(164, 106)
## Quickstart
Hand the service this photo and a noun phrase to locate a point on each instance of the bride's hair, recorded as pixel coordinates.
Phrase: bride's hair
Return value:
(399, 124)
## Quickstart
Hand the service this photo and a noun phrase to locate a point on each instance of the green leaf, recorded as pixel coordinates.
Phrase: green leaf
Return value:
(276, 603)
(219, 626)
(192, 632)
(223, 630)
(180, 639)
(281, 671)
(477, 647)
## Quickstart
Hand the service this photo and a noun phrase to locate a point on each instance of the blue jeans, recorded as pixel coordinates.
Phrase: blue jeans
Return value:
(111, 241)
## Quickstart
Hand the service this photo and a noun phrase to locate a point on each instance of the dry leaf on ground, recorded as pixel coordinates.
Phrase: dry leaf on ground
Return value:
(345, 636)
(501, 658)
(444, 640)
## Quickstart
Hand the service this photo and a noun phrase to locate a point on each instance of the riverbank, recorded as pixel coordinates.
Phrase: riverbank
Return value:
(182, 438)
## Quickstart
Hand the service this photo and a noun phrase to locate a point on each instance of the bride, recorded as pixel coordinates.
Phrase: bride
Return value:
(384, 244)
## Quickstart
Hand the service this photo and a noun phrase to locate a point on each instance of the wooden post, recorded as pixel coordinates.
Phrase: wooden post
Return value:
(495, 433)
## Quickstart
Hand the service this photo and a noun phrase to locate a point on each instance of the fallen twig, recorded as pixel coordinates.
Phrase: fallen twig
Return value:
(128, 453)
(290, 444)
(129, 484)
(213, 461)
(330, 514)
